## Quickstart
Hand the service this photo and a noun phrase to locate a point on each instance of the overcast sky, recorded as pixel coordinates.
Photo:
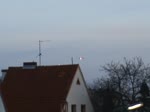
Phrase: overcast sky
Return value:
(98, 30)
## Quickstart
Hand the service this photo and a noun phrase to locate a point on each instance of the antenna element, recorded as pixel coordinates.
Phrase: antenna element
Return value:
(40, 51)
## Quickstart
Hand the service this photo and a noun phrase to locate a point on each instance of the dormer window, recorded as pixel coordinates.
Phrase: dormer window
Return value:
(78, 81)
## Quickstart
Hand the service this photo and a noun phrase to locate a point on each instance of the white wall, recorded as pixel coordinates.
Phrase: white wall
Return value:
(78, 95)
(1, 106)
(2, 109)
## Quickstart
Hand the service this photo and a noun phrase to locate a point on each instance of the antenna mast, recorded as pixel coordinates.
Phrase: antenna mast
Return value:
(40, 51)
(40, 54)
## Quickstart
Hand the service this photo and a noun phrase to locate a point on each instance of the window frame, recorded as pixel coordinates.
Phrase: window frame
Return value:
(73, 108)
(83, 108)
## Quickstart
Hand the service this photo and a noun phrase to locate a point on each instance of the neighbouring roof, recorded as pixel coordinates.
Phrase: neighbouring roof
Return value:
(34, 90)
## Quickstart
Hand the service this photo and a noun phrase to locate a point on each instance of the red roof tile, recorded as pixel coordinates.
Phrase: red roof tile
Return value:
(34, 90)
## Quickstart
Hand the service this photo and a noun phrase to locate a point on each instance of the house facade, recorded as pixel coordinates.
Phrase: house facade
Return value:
(78, 97)
(33, 88)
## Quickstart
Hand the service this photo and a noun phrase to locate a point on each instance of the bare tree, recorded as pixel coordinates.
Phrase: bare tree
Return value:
(124, 79)
(128, 76)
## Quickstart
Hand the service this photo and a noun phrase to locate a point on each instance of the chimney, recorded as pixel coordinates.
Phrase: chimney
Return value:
(29, 65)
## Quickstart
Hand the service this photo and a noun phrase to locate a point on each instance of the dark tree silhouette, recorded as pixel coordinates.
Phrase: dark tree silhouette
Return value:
(125, 80)
(144, 90)
(107, 101)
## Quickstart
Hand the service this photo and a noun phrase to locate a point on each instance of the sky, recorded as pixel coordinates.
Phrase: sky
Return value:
(101, 31)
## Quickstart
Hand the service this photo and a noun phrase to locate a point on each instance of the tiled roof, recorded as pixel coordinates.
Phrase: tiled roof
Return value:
(37, 89)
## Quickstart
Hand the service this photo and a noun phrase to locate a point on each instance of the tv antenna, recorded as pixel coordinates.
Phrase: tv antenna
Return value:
(40, 50)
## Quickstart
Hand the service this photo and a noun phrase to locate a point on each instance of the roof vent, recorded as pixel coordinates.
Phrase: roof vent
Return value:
(29, 65)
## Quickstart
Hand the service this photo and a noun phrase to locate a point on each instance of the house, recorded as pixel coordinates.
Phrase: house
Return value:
(33, 88)
(1, 102)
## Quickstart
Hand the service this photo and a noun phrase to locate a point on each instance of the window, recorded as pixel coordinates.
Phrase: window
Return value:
(73, 108)
(78, 81)
(83, 108)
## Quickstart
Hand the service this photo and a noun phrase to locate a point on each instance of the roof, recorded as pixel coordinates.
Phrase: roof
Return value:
(40, 87)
